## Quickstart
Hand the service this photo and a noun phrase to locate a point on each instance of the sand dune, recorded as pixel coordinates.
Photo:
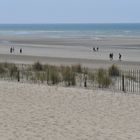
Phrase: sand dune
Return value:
(40, 112)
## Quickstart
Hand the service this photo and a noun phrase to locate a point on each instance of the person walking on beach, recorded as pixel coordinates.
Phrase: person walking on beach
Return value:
(94, 49)
(120, 56)
(111, 56)
(11, 50)
(20, 50)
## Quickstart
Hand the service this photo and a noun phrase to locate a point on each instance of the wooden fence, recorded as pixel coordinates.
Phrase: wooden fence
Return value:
(126, 81)
(129, 81)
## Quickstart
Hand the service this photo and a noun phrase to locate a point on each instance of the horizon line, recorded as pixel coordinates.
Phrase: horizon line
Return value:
(78, 23)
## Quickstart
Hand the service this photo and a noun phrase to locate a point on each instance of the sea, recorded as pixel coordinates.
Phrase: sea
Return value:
(72, 30)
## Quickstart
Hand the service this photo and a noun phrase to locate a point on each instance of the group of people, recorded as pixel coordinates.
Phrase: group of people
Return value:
(12, 50)
(95, 49)
(111, 56)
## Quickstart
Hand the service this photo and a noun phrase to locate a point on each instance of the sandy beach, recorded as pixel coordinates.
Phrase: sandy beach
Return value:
(40, 112)
(67, 51)
(69, 70)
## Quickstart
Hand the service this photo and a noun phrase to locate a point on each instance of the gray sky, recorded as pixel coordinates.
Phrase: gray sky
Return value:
(69, 11)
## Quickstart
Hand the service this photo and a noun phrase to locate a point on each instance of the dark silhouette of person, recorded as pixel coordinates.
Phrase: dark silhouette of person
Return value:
(94, 49)
(11, 50)
(20, 50)
(111, 56)
(120, 56)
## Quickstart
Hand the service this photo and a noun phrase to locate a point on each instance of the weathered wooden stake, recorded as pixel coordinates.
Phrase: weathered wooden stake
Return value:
(123, 89)
(18, 76)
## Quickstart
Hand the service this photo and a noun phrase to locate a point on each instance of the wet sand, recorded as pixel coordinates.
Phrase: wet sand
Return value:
(90, 63)
(71, 51)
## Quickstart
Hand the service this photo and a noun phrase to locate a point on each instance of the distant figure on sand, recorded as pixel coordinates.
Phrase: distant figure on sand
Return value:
(20, 50)
(111, 56)
(11, 50)
(120, 56)
(94, 49)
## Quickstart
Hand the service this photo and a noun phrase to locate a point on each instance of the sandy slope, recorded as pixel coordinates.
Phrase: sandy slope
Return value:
(39, 112)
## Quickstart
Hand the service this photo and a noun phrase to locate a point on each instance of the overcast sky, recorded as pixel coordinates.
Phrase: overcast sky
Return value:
(69, 11)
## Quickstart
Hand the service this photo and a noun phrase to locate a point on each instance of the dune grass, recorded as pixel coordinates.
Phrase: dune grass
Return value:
(64, 75)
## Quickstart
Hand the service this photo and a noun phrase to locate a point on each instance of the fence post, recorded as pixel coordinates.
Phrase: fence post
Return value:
(85, 80)
(123, 89)
(18, 76)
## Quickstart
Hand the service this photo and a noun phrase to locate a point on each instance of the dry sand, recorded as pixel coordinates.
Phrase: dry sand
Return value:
(40, 112)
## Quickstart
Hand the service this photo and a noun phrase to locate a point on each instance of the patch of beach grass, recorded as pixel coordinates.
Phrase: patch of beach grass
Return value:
(103, 78)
